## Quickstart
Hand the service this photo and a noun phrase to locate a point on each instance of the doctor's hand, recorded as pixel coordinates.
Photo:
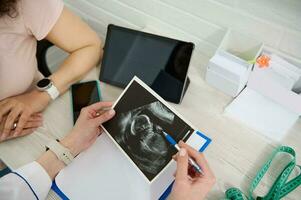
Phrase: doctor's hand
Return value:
(87, 127)
(188, 184)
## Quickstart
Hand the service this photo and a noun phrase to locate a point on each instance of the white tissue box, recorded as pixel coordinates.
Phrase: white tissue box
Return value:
(262, 114)
(230, 67)
(277, 81)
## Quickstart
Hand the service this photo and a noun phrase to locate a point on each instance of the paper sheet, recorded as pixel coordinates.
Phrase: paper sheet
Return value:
(103, 172)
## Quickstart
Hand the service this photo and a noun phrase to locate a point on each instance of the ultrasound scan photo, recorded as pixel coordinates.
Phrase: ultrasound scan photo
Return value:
(137, 127)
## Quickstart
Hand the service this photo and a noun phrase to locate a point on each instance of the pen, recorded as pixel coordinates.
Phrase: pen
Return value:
(191, 161)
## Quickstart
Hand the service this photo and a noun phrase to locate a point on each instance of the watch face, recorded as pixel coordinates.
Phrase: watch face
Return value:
(43, 83)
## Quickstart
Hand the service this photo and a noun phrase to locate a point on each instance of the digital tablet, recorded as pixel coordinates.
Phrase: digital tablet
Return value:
(161, 62)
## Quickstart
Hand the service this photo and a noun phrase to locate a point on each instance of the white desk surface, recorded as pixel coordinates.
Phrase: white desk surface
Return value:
(235, 154)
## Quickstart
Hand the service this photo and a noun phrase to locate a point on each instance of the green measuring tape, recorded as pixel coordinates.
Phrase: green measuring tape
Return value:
(280, 187)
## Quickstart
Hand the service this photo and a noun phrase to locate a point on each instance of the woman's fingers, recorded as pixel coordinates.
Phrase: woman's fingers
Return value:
(2, 123)
(25, 131)
(11, 119)
(96, 109)
(4, 137)
(36, 116)
(22, 121)
(104, 117)
(100, 105)
(182, 165)
(197, 156)
(5, 108)
(33, 124)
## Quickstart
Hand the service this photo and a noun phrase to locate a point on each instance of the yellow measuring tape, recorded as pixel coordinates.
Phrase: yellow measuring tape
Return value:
(281, 186)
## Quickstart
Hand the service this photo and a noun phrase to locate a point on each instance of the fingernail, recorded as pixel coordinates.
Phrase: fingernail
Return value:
(183, 152)
(111, 112)
(181, 142)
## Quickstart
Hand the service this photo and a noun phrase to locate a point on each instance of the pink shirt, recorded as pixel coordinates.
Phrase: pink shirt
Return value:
(18, 41)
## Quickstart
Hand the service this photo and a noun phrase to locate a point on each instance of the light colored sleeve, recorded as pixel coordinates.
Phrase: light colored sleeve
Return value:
(29, 182)
(40, 16)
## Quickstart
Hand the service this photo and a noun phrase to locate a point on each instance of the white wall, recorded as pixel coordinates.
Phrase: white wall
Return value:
(277, 23)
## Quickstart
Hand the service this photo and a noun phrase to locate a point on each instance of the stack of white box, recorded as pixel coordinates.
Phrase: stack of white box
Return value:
(229, 69)
(269, 104)
(277, 82)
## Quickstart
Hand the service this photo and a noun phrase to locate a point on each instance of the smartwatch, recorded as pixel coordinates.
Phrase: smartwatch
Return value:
(46, 85)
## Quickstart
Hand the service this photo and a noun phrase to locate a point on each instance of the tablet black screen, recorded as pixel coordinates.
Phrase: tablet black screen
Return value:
(160, 62)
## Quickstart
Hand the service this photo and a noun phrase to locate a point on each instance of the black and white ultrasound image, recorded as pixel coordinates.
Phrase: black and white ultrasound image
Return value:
(137, 127)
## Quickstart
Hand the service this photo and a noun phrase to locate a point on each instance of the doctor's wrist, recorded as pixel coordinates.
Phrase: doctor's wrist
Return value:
(70, 143)
(51, 164)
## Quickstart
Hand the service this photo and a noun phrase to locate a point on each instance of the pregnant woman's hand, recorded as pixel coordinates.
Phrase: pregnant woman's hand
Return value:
(35, 121)
(19, 109)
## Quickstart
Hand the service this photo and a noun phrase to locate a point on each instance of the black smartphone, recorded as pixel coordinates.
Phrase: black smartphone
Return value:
(84, 94)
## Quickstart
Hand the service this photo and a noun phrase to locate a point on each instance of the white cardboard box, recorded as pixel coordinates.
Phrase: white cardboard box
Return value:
(276, 82)
(230, 67)
(262, 114)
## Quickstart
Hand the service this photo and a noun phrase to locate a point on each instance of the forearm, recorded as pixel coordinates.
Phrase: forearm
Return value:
(74, 36)
(76, 66)
(73, 69)
(51, 164)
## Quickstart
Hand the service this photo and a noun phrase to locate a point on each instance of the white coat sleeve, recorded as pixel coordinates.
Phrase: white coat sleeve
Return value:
(29, 182)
